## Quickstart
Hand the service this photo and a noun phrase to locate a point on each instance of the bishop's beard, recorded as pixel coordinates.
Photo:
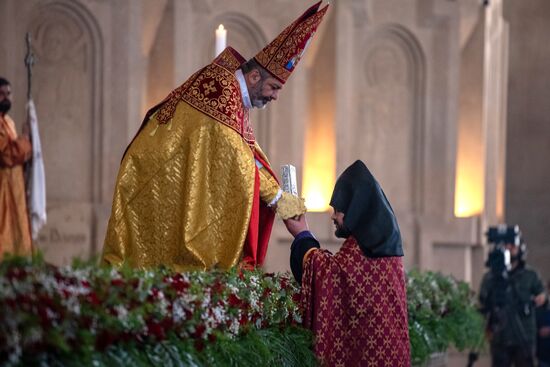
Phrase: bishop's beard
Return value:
(256, 97)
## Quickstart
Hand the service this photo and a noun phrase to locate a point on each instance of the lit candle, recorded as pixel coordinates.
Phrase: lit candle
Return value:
(221, 39)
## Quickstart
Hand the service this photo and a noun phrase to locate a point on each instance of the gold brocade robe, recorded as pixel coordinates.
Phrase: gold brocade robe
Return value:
(15, 237)
(185, 189)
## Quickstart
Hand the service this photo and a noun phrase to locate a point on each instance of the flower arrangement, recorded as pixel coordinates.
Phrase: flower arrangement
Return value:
(85, 315)
(89, 315)
(442, 313)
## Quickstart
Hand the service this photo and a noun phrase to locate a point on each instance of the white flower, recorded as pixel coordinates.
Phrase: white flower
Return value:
(80, 274)
(114, 274)
(219, 314)
(122, 314)
(163, 307)
(22, 287)
(178, 310)
(206, 301)
(235, 326)
(73, 305)
(6, 290)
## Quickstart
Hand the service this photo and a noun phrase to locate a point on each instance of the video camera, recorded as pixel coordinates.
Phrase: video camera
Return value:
(499, 260)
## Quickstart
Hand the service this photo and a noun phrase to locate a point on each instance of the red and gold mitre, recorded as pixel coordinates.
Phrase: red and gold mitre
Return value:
(281, 55)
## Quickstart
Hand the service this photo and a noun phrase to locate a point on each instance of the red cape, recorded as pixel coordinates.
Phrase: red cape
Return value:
(357, 307)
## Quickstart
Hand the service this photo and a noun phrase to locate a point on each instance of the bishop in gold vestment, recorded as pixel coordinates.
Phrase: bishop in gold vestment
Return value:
(195, 190)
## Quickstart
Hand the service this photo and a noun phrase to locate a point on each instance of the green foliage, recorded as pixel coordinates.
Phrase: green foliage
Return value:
(442, 313)
(271, 347)
(84, 315)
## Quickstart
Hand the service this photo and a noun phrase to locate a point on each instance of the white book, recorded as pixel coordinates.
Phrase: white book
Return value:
(289, 182)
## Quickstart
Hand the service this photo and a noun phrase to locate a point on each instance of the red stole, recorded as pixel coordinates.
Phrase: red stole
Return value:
(261, 224)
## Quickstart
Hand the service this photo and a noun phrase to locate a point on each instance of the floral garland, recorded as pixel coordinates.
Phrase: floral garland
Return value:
(96, 316)
(85, 308)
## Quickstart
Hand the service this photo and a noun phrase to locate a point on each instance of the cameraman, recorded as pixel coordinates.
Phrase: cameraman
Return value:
(508, 296)
(543, 326)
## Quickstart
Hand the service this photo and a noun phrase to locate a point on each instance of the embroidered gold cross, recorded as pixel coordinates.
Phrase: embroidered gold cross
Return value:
(209, 87)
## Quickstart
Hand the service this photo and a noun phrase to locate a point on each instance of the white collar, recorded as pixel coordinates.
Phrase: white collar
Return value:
(244, 89)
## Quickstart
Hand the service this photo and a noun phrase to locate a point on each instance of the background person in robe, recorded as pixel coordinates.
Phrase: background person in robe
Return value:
(15, 234)
(355, 300)
(194, 189)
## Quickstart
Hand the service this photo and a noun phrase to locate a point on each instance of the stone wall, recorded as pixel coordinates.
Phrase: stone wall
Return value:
(390, 83)
(528, 138)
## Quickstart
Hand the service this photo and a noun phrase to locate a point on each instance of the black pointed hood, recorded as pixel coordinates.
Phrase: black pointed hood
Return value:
(368, 214)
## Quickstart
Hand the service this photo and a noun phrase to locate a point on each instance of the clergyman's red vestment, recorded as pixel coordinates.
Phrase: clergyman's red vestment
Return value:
(357, 307)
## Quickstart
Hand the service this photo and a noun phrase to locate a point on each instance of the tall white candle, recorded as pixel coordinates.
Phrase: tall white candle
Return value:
(221, 39)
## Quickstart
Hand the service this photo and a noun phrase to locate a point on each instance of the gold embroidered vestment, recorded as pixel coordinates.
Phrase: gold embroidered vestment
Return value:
(185, 189)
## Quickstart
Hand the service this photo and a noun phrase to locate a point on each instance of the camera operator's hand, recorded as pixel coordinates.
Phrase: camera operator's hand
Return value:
(540, 299)
(544, 331)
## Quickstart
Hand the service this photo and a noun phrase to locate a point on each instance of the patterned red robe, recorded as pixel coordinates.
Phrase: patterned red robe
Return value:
(357, 307)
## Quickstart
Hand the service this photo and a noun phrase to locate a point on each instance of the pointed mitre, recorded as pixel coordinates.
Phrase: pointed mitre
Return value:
(281, 55)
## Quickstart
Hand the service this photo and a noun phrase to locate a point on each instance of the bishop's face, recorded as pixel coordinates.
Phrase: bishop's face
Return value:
(263, 90)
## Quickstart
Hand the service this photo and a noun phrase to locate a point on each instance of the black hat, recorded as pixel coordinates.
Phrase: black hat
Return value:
(368, 214)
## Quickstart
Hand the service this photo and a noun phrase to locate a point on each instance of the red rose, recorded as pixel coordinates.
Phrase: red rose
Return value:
(243, 320)
(43, 314)
(217, 287)
(12, 303)
(117, 282)
(199, 331)
(104, 340)
(16, 273)
(59, 277)
(267, 292)
(134, 283)
(179, 284)
(167, 323)
(199, 345)
(93, 299)
(284, 283)
(233, 300)
(154, 293)
(155, 329)
(24, 299)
